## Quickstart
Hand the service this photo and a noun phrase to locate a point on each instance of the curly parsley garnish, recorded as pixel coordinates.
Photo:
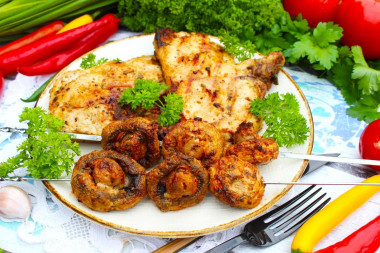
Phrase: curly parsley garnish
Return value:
(90, 61)
(146, 93)
(48, 152)
(281, 114)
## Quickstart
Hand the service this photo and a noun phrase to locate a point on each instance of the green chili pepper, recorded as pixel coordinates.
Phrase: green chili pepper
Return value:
(38, 92)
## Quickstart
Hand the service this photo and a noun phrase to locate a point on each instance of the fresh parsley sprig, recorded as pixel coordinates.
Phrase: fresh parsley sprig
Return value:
(281, 114)
(170, 110)
(146, 93)
(319, 46)
(90, 61)
(47, 152)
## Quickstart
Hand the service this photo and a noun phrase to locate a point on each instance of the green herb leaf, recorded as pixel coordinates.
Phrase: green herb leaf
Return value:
(319, 47)
(367, 109)
(146, 93)
(207, 16)
(240, 49)
(90, 61)
(171, 110)
(369, 79)
(281, 114)
(47, 152)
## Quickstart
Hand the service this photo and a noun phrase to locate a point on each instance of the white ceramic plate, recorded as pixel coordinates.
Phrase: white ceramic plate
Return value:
(210, 215)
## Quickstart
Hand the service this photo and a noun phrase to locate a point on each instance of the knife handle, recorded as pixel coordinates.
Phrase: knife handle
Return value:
(176, 245)
(307, 170)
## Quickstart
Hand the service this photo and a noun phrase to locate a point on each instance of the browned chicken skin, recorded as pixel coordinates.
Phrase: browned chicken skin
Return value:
(251, 147)
(195, 138)
(180, 181)
(255, 151)
(236, 182)
(106, 181)
(212, 85)
(87, 100)
(245, 131)
(136, 137)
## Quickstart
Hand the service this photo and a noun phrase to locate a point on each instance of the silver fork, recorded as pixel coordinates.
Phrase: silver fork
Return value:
(279, 223)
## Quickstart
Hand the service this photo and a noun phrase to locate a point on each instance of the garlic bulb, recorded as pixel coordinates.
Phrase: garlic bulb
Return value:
(14, 203)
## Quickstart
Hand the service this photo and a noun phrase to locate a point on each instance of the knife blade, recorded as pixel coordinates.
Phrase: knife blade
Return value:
(313, 165)
(314, 157)
(319, 157)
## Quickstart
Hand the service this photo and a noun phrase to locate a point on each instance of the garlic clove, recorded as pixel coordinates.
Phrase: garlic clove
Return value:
(14, 203)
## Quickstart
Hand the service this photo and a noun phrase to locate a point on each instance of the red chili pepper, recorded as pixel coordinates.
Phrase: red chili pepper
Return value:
(2, 84)
(47, 47)
(47, 30)
(82, 46)
(365, 239)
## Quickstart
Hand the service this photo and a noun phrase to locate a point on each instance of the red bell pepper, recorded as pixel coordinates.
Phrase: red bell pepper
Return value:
(47, 30)
(82, 46)
(47, 47)
(366, 239)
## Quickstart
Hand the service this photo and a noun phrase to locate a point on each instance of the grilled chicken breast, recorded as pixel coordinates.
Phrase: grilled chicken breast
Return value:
(212, 85)
(87, 99)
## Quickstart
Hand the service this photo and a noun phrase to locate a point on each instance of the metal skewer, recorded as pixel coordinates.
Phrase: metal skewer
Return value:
(78, 137)
(321, 183)
(97, 138)
(18, 179)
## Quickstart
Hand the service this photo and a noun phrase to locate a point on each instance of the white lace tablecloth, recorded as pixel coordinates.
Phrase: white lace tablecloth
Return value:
(53, 227)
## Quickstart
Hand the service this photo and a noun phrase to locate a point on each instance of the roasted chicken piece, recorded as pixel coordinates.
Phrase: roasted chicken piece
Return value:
(195, 138)
(136, 137)
(212, 85)
(251, 147)
(245, 131)
(87, 100)
(180, 181)
(106, 181)
(255, 151)
(236, 182)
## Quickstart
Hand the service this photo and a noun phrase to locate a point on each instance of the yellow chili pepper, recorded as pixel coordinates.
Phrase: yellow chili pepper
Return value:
(82, 20)
(320, 224)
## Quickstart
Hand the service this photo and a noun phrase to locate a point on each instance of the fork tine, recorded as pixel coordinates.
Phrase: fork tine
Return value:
(286, 204)
(299, 224)
(298, 214)
(260, 223)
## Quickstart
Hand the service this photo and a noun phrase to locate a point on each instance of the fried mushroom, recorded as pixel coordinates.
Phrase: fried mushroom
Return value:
(180, 181)
(195, 138)
(136, 137)
(236, 182)
(106, 181)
